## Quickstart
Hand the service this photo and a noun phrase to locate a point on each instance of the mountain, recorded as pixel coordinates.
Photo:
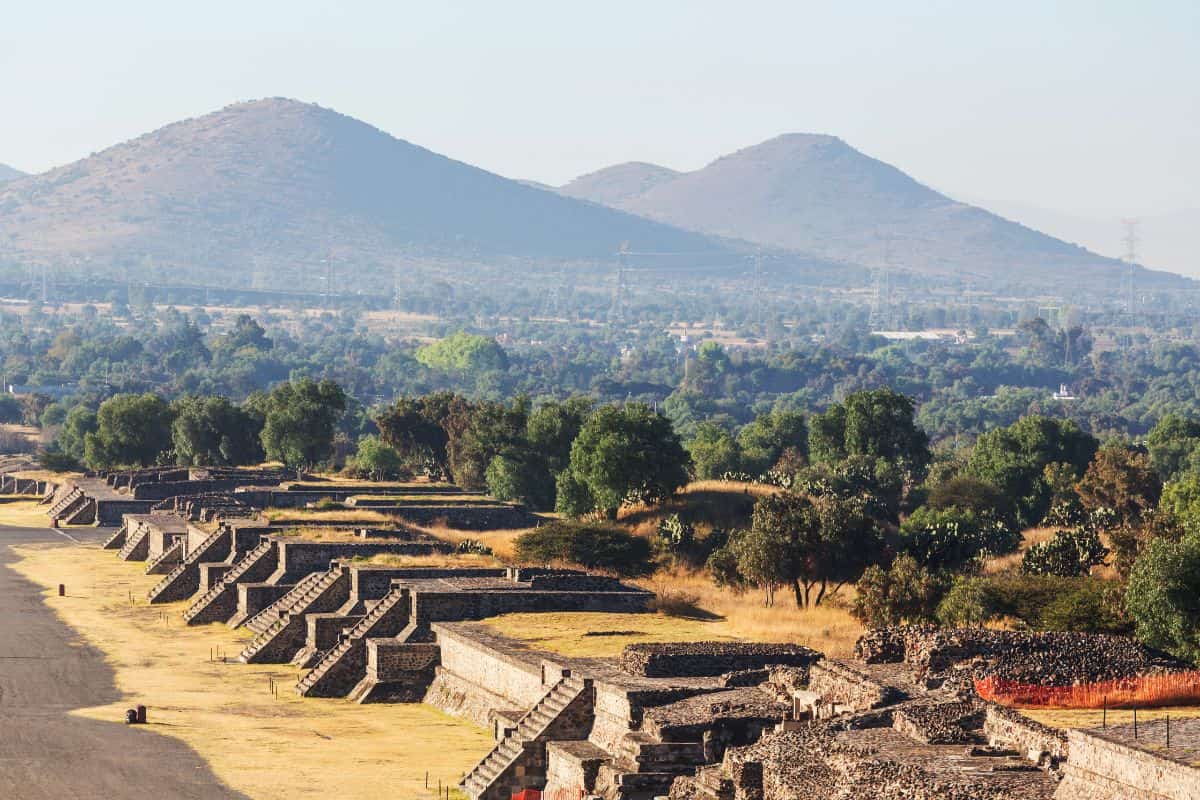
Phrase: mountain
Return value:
(613, 186)
(816, 194)
(271, 188)
(7, 173)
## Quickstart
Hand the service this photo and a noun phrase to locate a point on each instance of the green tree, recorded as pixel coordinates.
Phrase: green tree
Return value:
(1014, 460)
(1163, 596)
(877, 423)
(463, 352)
(132, 430)
(1173, 443)
(212, 431)
(806, 543)
(1180, 501)
(72, 437)
(714, 451)
(377, 460)
(764, 440)
(246, 333)
(1121, 481)
(301, 417)
(628, 454)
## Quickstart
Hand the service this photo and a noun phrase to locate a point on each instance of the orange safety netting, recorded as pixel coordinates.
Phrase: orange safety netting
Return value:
(1167, 689)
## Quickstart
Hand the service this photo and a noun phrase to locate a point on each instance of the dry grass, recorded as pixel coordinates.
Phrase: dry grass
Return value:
(263, 746)
(1093, 718)
(24, 514)
(302, 515)
(464, 560)
(725, 616)
(500, 540)
(1012, 561)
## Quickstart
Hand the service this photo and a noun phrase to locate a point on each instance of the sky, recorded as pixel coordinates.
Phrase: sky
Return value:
(1085, 108)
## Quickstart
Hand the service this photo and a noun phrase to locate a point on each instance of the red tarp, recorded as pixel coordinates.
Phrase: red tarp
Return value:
(527, 794)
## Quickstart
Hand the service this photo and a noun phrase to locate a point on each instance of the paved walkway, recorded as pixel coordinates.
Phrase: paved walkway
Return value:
(45, 671)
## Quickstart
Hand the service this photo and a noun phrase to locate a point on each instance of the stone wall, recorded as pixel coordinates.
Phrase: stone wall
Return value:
(697, 659)
(1044, 658)
(1099, 769)
(397, 672)
(840, 684)
(515, 678)
(433, 606)
(1035, 741)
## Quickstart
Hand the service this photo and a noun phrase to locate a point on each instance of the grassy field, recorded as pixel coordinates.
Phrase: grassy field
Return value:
(24, 514)
(1093, 718)
(263, 745)
(719, 614)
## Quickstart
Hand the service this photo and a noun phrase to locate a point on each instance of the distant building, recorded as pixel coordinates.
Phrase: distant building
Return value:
(55, 392)
(1064, 393)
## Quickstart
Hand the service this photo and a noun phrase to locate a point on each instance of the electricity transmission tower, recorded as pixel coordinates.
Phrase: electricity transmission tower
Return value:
(1131, 241)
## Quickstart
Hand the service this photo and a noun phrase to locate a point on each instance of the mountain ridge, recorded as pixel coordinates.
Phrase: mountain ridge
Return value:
(815, 193)
(283, 185)
(8, 173)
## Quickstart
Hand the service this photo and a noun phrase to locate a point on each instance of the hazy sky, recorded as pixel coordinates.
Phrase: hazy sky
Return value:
(1086, 107)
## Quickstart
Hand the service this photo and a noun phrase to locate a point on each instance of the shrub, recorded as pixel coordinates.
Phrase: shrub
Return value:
(951, 538)
(966, 604)
(472, 547)
(1068, 554)
(676, 534)
(904, 593)
(1050, 602)
(593, 546)
(1163, 596)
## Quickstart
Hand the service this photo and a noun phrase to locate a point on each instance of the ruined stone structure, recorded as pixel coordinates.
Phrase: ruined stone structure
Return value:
(691, 720)
(1121, 763)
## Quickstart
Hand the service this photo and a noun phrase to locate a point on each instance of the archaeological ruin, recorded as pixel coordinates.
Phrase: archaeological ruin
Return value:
(902, 718)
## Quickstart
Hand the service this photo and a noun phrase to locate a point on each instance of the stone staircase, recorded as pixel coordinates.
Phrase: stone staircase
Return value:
(644, 767)
(341, 668)
(167, 559)
(71, 500)
(500, 771)
(117, 540)
(270, 615)
(183, 581)
(288, 615)
(136, 547)
(202, 610)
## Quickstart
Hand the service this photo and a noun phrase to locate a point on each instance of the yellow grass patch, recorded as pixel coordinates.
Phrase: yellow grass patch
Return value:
(501, 540)
(258, 744)
(315, 516)
(1093, 718)
(465, 560)
(24, 514)
(734, 617)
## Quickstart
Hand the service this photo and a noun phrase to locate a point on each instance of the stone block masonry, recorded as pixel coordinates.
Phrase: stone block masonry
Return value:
(1109, 764)
(397, 672)
(695, 659)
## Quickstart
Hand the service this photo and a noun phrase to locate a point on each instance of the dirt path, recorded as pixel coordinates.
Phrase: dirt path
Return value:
(45, 671)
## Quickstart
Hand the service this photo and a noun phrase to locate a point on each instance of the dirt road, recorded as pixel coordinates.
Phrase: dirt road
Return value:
(45, 671)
